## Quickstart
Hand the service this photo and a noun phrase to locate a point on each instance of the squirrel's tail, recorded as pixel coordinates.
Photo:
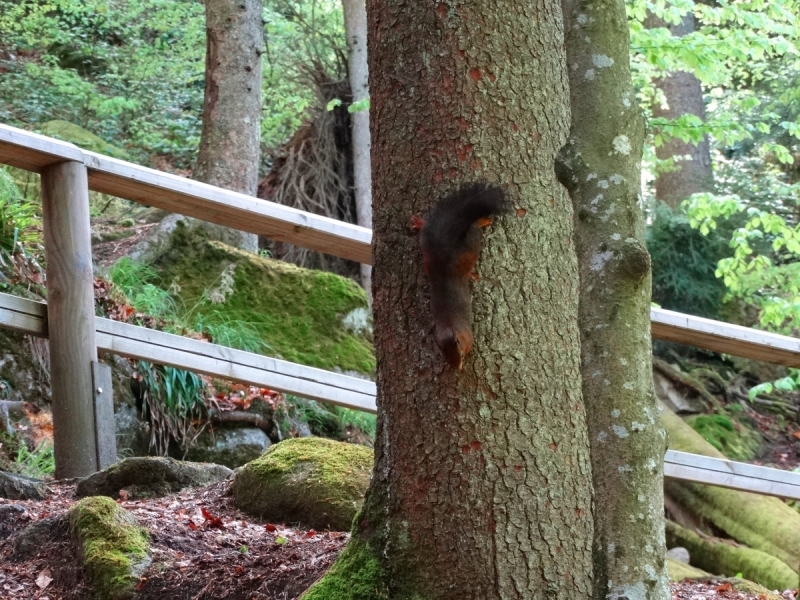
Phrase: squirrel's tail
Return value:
(451, 218)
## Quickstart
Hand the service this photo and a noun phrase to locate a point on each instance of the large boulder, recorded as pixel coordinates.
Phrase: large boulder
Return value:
(112, 546)
(311, 317)
(229, 447)
(314, 482)
(149, 477)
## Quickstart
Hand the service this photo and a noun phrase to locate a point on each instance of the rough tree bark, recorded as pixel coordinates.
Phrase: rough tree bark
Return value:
(600, 166)
(355, 26)
(683, 95)
(230, 142)
(481, 486)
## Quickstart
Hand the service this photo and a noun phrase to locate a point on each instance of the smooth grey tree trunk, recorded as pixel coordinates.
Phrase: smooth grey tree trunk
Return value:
(355, 26)
(482, 481)
(601, 167)
(230, 144)
(683, 95)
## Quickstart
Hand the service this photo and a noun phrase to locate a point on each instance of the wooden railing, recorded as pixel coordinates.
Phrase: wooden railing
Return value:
(83, 420)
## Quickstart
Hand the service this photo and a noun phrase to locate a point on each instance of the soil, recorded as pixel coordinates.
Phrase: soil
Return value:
(201, 546)
(202, 549)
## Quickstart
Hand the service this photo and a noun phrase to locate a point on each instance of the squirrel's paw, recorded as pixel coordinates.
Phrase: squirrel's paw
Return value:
(416, 224)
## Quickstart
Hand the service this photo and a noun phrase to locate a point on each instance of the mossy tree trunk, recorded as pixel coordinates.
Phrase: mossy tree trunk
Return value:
(482, 485)
(682, 96)
(355, 25)
(230, 144)
(600, 166)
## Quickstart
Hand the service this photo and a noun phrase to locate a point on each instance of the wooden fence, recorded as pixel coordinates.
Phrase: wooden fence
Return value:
(82, 413)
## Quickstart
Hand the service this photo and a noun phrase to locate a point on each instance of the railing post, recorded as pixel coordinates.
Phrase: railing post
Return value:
(70, 317)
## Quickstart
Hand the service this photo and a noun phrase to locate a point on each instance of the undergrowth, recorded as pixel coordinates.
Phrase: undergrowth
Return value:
(38, 463)
(176, 400)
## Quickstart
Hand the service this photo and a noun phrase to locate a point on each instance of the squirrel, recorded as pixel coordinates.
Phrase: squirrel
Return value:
(451, 242)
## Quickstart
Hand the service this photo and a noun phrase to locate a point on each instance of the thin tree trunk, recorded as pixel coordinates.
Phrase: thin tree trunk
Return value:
(683, 95)
(600, 166)
(230, 143)
(481, 488)
(355, 26)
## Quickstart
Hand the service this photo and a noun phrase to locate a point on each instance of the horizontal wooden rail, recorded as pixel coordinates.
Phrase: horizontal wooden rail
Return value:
(176, 194)
(731, 474)
(28, 316)
(725, 338)
(34, 152)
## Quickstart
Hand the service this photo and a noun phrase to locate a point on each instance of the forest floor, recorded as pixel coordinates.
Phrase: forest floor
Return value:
(203, 548)
(222, 555)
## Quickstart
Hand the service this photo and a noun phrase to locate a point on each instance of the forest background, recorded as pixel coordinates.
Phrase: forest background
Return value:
(131, 72)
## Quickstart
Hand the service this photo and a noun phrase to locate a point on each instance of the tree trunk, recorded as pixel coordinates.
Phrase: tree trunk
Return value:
(600, 166)
(682, 95)
(230, 143)
(481, 486)
(355, 26)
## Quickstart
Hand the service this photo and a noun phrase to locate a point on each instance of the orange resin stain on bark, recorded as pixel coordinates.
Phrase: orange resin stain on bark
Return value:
(475, 74)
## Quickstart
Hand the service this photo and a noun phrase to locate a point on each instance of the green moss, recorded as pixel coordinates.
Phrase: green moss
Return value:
(732, 439)
(297, 312)
(83, 138)
(679, 571)
(356, 575)
(317, 482)
(112, 545)
(761, 522)
(716, 556)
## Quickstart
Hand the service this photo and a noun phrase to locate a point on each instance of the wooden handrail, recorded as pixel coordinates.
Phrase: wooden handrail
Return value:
(34, 152)
(107, 175)
(30, 317)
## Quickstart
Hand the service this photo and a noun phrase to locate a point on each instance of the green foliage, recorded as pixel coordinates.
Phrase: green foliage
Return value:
(39, 463)
(127, 70)
(324, 420)
(764, 270)
(138, 282)
(683, 265)
(20, 220)
(175, 400)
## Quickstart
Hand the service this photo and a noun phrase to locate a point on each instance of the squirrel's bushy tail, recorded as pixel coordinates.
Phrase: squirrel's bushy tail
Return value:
(451, 218)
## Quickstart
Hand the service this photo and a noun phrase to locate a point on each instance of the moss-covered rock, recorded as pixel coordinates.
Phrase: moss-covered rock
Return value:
(112, 546)
(315, 482)
(716, 556)
(301, 315)
(83, 138)
(149, 477)
(679, 571)
(761, 522)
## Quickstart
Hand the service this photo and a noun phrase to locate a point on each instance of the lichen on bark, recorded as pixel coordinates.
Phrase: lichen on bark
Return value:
(600, 166)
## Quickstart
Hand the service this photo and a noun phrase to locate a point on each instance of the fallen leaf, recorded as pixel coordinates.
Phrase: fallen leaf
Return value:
(44, 579)
(211, 520)
(280, 540)
(270, 527)
(192, 526)
(724, 587)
